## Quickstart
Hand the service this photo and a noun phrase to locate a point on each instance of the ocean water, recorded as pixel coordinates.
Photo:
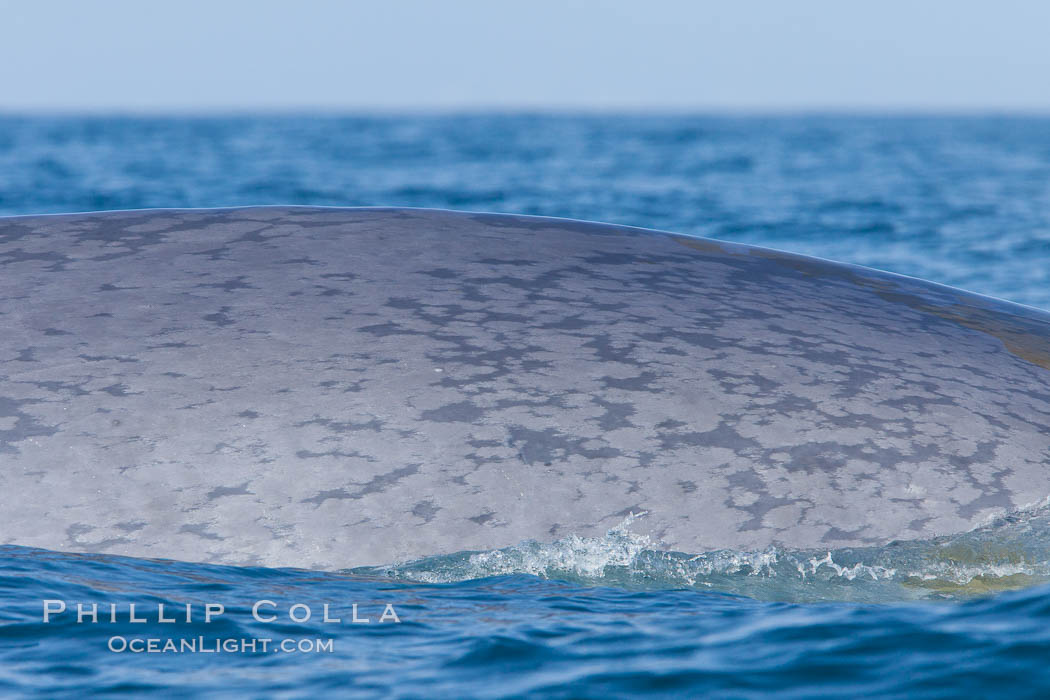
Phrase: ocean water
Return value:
(963, 201)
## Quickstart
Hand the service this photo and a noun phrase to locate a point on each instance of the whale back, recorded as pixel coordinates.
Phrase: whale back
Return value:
(338, 387)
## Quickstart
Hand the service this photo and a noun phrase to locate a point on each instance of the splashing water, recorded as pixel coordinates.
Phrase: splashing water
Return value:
(1009, 553)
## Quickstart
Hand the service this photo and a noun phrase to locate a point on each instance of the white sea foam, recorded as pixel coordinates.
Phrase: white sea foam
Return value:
(1011, 552)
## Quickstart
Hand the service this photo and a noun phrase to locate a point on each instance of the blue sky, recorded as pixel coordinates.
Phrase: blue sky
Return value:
(752, 55)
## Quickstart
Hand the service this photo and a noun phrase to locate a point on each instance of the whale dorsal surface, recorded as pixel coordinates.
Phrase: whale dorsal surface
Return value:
(339, 387)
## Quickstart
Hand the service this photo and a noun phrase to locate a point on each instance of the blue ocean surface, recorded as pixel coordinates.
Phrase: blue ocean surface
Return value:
(963, 201)
(959, 200)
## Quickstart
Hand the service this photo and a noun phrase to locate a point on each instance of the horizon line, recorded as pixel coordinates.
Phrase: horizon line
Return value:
(897, 110)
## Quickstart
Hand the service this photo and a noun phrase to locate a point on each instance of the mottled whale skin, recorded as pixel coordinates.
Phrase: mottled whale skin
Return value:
(329, 388)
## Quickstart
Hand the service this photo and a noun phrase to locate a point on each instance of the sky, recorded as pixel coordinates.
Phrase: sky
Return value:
(648, 55)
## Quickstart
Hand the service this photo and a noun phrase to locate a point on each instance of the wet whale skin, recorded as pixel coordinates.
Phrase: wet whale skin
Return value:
(331, 388)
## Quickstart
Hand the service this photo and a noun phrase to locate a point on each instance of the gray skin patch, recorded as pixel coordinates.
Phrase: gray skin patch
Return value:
(331, 388)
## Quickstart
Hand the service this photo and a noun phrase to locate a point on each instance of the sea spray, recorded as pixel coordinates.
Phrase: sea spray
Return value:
(1008, 553)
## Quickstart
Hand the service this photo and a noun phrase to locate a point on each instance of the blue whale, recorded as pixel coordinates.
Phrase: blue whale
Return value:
(328, 388)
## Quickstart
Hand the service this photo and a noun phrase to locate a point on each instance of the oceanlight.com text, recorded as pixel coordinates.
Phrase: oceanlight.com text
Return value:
(231, 645)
